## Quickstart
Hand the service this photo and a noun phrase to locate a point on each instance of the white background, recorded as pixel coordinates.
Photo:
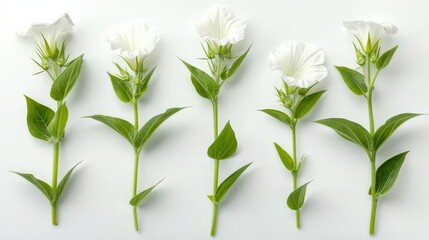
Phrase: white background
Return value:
(95, 204)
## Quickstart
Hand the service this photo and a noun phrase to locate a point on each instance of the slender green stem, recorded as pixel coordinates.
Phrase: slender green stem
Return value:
(55, 179)
(136, 165)
(295, 173)
(372, 153)
(216, 169)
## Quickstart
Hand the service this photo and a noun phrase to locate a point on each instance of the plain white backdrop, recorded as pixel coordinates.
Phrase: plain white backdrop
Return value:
(95, 204)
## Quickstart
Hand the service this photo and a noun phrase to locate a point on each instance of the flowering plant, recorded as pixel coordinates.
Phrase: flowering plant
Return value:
(220, 30)
(133, 42)
(371, 62)
(43, 122)
(300, 66)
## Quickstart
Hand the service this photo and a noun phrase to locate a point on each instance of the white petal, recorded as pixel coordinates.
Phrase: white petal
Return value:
(219, 26)
(389, 28)
(132, 39)
(298, 63)
(363, 29)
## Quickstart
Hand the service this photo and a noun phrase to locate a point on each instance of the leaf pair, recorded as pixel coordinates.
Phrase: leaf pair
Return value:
(129, 132)
(45, 124)
(227, 184)
(355, 133)
(124, 89)
(52, 195)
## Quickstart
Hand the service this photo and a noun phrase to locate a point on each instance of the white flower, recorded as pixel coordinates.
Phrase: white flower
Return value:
(299, 64)
(363, 29)
(220, 27)
(53, 32)
(132, 40)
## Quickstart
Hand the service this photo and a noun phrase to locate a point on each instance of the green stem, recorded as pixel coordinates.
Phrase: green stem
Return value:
(55, 180)
(216, 170)
(295, 173)
(372, 153)
(136, 165)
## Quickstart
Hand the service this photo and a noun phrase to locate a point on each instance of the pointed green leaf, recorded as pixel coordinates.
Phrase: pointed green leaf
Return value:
(141, 88)
(41, 185)
(297, 197)
(281, 116)
(58, 124)
(66, 80)
(387, 129)
(38, 119)
(122, 88)
(63, 183)
(135, 201)
(225, 144)
(384, 60)
(205, 85)
(228, 182)
(121, 126)
(285, 158)
(307, 103)
(236, 64)
(354, 80)
(388, 172)
(150, 126)
(349, 130)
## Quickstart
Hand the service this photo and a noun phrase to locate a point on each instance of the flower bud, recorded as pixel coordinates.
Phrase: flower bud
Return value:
(125, 76)
(360, 57)
(60, 62)
(45, 65)
(303, 91)
(288, 103)
(373, 58)
(227, 51)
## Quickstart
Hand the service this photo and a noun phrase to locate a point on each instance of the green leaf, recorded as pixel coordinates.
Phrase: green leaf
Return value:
(58, 124)
(349, 130)
(141, 88)
(121, 126)
(135, 201)
(228, 182)
(281, 116)
(225, 144)
(388, 172)
(66, 80)
(297, 197)
(63, 183)
(122, 88)
(354, 80)
(385, 58)
(387, 129)
(285, 158)
(38, 119)
(236, 64)
(205, 85)
(41, 185)
(150, 126)
(307, 103)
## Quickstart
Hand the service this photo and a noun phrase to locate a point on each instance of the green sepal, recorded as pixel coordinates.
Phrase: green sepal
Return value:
(296, 199)
(135, 201)
(225, 145)
(38, 119)
(228, 182)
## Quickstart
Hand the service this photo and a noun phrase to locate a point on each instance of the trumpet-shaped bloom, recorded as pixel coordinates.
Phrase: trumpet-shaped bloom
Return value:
(363, 29)
(299, 64)
(52, 32)
(220, 27)
(132, 40)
